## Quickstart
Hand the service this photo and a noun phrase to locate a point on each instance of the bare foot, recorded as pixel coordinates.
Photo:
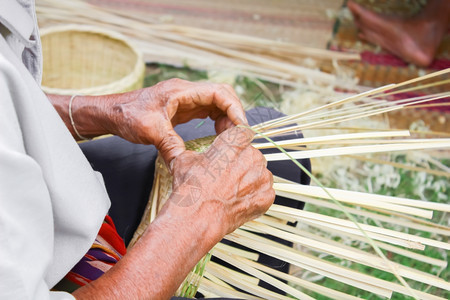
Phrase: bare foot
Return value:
(413, 39)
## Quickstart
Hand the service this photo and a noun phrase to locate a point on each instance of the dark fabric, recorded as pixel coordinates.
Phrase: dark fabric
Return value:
(128, 169)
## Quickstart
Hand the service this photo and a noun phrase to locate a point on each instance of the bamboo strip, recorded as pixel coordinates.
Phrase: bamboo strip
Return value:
(412, 240)
(342, 230)
(216, 280)
(420, 87)
(154, 199)
(314, 264)
(354, 200)
(342, 195)
(337, 137)
(235, 261)
(313, 217)
(236, 251)
(274, 45)
(225, 275)
(300, 71)
(422, 78)
(346, 231)
(419, 257)
(284, 120)
(334, 120)
(236, 274)
(298, 281)
(444, 143)
(413, 224)
(428, 105)
(324, 247)
(352, 255)
(319, 144)
(438, 164)
(330, 121)
(347, 253)
(352, 129)
(408, 217)
(225, 292)
(370, 105)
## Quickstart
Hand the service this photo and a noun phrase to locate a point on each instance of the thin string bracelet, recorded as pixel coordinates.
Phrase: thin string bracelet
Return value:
(72, 122)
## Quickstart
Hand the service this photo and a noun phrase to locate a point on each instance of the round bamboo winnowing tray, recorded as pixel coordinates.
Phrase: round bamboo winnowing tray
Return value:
(87, 60)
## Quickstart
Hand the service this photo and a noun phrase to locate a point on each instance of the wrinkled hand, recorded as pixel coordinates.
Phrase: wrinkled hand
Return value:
(227, 185)
(148, 116)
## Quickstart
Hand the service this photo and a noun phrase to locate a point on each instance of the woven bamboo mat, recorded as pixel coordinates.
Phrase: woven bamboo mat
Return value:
(305, 22)
(378, 67)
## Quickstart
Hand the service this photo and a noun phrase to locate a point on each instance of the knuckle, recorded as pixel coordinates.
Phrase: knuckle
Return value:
(257, 155)
(175, 80)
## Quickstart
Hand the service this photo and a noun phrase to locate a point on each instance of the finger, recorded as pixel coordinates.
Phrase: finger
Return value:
(269, 192)
(227, 101)
(170, 146)
(222, 123)
(367, 18)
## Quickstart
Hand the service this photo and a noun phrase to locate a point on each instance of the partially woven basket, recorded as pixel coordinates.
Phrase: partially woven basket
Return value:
(87, 60)
(161, 191)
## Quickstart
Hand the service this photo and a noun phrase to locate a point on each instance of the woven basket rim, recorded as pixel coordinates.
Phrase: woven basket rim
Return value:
(126, 81)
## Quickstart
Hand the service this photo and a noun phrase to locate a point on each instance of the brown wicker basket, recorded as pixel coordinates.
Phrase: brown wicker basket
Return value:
(87, 60)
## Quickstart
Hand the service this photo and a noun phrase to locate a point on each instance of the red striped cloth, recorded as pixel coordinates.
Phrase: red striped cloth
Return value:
(106, 251)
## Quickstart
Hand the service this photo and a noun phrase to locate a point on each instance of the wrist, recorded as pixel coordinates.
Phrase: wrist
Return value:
(89, 115)
(202, 220)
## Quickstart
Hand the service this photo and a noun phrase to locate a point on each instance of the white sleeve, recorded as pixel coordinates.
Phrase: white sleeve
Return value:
(26, 217)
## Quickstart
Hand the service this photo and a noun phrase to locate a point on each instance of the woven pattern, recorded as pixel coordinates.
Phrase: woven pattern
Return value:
(86, 60)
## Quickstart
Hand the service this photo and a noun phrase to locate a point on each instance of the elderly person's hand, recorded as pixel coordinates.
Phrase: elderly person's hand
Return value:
(147, 116)
(150, 114)
(213, 193)
(229, 182)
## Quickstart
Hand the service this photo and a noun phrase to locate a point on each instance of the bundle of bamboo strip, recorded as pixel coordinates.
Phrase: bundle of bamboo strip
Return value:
(280, 62)
(213, 279)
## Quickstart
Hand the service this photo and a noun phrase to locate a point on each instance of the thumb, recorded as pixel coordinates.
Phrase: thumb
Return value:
(170, 146)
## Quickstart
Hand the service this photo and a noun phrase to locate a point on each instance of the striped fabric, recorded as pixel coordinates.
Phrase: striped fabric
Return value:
(106, 251)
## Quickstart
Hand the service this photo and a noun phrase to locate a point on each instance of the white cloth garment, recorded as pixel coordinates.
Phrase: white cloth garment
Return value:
(52, 203)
